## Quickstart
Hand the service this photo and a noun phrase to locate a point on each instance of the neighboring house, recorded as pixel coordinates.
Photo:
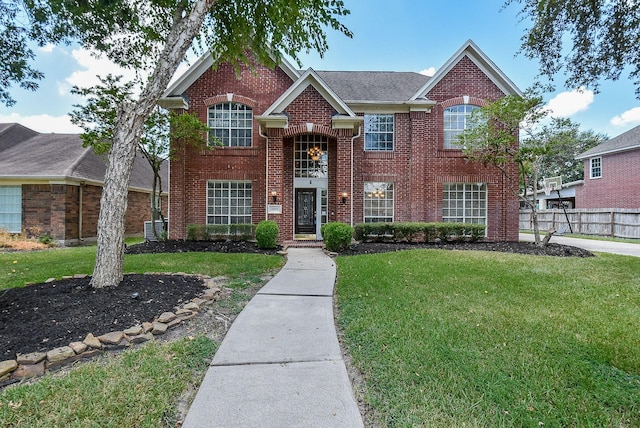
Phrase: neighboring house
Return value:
(50, 184)
(305, 148)
(611, 173)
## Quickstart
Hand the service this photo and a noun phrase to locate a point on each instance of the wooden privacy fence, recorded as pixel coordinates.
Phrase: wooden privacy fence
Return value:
(617, 223)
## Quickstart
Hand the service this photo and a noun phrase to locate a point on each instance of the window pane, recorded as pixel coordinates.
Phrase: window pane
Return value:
(378, 132)
(464, 203)
(455, 121)
(232, 202)
(11, 208)
(231, 124)
(378, 202)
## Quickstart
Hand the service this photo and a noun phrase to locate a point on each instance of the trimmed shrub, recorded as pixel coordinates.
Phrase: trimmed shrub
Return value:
(267, 234)
(336, 235)
(418, 232)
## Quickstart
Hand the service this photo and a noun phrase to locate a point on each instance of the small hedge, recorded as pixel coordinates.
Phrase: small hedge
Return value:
(267, 234)
(220, 232)
(418, 232)
(336, 235)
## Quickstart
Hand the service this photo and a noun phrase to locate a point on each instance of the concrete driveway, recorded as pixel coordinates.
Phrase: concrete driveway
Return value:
(591, 244)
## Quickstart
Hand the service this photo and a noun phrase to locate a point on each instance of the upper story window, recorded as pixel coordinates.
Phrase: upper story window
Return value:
(231, 124)
(595, 167)
(456, 120)
(378, 132)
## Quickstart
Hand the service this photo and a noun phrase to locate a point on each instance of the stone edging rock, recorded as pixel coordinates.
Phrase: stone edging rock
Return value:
(37, 363)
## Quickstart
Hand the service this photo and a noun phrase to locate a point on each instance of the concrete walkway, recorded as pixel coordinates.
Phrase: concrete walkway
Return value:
(280, 364)
(623, 248)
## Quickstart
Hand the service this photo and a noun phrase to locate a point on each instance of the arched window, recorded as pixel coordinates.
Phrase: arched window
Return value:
(456, 120)
(231, 124)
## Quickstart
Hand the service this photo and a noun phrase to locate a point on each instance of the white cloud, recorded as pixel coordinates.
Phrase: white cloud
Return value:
(567, 104)
(628, 117)
(48, 48)
(90, 68)
(43, 123)
(428, 71)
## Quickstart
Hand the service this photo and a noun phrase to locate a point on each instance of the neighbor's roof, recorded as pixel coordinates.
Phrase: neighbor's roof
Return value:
(629, 140)
(29, 155)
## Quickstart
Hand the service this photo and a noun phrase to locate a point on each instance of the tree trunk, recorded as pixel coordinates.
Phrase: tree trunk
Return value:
(113, 203)
(127, 131)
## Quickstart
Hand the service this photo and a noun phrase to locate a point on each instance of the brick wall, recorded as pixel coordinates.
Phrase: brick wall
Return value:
(619, 186)
(418, 166)
(54, 209)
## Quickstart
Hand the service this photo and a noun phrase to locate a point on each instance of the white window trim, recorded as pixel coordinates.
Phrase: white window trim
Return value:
(591, 176)
(393, 134)
(393, 200)
(466, 115)
(207, 215)
(229, 128)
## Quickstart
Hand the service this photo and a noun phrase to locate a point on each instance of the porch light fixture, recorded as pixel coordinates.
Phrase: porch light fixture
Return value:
(344, 197)
(274, 195)
(314, 153)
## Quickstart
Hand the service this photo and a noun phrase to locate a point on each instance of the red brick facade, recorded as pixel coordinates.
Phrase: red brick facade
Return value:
(619, 185)
(418, 166)
(55, 209)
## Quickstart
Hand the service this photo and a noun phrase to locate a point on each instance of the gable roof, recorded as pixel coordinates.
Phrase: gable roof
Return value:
(173, 95)
(481, 60)
(29, 155)
(309, 78)
(629, 140)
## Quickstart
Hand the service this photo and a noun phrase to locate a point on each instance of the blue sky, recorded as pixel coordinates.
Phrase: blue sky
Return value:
(399, 35)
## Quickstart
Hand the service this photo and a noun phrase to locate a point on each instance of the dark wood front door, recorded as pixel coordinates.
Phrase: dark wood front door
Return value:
(305, 211)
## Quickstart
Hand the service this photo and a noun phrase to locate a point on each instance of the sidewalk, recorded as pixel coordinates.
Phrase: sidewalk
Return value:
(591, 244)
(280, 364)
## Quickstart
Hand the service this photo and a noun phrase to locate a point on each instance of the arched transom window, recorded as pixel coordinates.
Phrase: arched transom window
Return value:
(456, 120)
(231, 124)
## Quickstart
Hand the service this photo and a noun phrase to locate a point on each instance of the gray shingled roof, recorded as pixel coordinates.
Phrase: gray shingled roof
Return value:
(626, 141)
(373, 85)
(25, 154)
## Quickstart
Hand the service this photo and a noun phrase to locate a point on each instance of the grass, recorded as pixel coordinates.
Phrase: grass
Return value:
(491, 339)
(141, 387)
(138, 388)
(20, 268)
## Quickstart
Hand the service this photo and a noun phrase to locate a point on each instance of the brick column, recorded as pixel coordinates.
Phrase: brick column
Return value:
(342, 178)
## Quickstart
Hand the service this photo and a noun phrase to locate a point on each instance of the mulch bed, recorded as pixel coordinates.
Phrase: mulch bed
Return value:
(45, 316)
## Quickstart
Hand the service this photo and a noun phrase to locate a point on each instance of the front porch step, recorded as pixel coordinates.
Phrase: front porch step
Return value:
(303, 244)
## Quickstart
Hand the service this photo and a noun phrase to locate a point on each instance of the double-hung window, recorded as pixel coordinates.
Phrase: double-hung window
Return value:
(464, 203)
(456, 120)
(378, 202)
(229, 202)
(11, 208)
(230, 124)
(378, 132)
(595, 167)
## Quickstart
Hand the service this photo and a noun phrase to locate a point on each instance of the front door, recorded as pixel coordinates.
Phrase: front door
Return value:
(305, 211)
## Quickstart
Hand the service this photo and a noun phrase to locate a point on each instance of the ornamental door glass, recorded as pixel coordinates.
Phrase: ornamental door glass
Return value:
(305, 211)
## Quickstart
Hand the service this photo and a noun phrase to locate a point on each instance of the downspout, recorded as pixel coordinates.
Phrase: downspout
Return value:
(351, 189)
(266, 176)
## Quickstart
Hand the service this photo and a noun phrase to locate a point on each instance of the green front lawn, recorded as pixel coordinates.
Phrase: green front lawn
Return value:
(449, 338)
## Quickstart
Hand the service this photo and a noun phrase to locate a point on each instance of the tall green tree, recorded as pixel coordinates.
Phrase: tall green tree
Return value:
(587, 40)
(568, 142)
(494, 138)
(153, 38)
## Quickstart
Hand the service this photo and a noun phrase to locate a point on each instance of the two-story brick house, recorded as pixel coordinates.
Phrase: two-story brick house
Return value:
(307, 147)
